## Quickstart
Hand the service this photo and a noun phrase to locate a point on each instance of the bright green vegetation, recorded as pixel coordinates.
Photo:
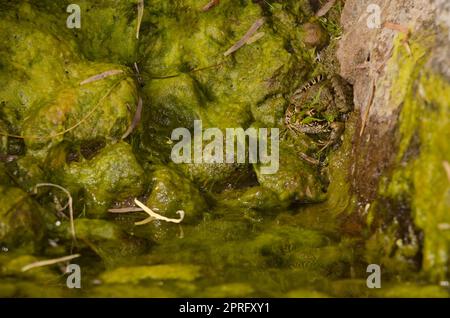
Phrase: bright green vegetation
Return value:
(419, 185)
(244, 233)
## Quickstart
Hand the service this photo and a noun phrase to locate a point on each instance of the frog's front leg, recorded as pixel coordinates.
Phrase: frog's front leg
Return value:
(337, 129)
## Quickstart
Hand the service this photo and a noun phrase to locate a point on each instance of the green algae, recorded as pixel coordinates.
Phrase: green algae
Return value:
(418, 186)
(123, 275)
(172, 192)
(107, 240)
(105, 178)
(246, 234)
(21, 223)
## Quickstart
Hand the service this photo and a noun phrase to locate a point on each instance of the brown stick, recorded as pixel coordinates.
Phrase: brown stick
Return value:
(101, 76)
(326, 7)
(245, 38)
(396, 27)
(49, 262)
(210, 5)
(369, 106)
(136, 119)
(140, 9)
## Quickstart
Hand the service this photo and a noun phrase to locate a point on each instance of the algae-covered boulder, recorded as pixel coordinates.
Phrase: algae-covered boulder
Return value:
(176, 103)
(112, 175)
(270, 112)
(172, 192)
(217, 176)
(295, 180)
(108, 30)
(27, 77)
(21, 224)
(194, 42)
(46, 100)
(257, 198)
(173, 103)
(94, 110)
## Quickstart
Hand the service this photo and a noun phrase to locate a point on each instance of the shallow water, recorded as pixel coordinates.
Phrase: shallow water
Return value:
(245, 234)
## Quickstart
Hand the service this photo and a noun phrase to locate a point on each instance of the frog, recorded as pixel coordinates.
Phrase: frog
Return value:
(319, 109)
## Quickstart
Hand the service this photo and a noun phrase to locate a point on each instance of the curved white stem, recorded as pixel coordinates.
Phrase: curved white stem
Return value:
(157, 216)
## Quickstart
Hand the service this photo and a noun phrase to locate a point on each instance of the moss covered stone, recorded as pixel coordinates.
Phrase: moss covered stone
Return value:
(418, 187)
(112, 175)
(21, 224)
(172, 192)
(296, 180)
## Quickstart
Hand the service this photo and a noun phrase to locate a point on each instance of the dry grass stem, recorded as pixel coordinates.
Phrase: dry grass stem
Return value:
(49, 262)
(325, 8)
(101, 76)
(136, 119)
(69, 204)
(246, 37)
(157, 216)
(140, 9)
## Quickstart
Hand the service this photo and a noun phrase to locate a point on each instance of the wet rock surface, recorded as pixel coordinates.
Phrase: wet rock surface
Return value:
(308, 230)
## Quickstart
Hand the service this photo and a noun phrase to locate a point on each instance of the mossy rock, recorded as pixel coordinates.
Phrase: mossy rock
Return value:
(112, 175)
(95, 110)
(270, 112)
(172, 192)
(295, 180)
(255, 198)
(174, 103)
(21, 224)
(418, 186)
(216, 177)
(108, 30)
(28, 77)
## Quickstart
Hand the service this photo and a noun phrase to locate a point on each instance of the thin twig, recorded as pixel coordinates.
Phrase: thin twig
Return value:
(138, 74)
(325, 8)
(49, 262)
(396, 27)
(140, 15)
(403, 29)
(447, 169)
(101, 76)
(157, 216)
(211, 4)
(125, 210)
(369, 106)
(145, 221)
(69, 204)
(152, 215)
(443, 226)
(245, 38)
(136, 119)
